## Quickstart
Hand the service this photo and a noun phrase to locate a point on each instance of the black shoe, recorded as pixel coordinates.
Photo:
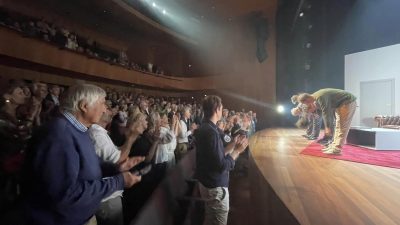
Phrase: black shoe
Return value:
(312, 138)
(326, 144)
(322, 142)
(324, 139)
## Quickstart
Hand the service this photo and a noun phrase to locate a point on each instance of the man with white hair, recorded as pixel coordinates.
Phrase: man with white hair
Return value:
(186, 129)
(64, 180)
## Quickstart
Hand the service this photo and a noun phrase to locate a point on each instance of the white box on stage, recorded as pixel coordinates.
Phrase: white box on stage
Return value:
(374, 138)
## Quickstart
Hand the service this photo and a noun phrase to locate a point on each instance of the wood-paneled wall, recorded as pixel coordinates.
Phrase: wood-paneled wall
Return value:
(12, 44)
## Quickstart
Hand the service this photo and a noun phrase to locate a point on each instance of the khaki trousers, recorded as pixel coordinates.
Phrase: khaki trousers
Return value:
(92, 221)
(344, 114)
(217, 205)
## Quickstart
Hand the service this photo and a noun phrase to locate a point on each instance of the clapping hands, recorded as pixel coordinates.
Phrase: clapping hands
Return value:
(241, 143)
(128, 163)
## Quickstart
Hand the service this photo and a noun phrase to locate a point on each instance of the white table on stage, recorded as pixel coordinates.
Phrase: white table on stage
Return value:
(375, 138)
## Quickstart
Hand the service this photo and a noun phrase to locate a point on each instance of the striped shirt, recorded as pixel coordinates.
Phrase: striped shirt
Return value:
(72, 119)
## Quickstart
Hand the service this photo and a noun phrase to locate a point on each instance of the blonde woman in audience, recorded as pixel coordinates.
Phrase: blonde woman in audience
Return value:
(165, 149)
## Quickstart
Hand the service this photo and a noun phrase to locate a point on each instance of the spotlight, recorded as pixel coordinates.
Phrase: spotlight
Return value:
(280, 109)
(205, 95)
(154, 4)
(301, 14)
(190, 65)
(164, 12)
(192, 97)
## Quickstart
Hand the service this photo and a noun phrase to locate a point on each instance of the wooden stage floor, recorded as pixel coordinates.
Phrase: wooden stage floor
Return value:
(324, 191)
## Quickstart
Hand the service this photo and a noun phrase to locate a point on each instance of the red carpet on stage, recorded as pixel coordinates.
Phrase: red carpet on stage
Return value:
(358, 154)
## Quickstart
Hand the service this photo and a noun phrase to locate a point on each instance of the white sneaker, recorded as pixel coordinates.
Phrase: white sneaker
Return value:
(327, 148)
(333, 151)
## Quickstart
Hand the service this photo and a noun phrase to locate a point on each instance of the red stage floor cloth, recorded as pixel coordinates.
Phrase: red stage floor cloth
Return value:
(358, 154)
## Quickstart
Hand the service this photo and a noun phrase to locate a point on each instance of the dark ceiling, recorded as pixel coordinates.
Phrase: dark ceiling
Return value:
(105, 16)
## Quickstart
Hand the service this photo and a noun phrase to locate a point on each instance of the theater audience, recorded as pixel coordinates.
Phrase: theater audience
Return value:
(64, 179)
(15, 132)
(65, 39)
(75, 168)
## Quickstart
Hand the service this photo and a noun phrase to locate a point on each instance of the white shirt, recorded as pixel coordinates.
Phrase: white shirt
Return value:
(164, 150)
(105, 150)
(184, 133)
(55, 100)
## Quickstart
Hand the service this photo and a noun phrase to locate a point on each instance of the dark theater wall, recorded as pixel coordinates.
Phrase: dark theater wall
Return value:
(339, 28)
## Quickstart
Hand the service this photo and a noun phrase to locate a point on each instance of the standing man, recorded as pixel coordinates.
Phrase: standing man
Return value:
(51, 103)
(186, 129)
(333, 102)
(144, 107)
(64, 180)
(214, 162)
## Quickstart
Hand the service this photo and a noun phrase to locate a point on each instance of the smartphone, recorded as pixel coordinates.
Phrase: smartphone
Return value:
(145, 170)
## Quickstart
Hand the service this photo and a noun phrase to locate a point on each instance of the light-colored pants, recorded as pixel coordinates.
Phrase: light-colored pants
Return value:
(110, 212)
(344, 114)
(92, 221)
(216, 205)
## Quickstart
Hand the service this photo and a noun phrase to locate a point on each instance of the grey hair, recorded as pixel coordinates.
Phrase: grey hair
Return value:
(186, 108)
(81, 92)
(294, 99)
(303, 97)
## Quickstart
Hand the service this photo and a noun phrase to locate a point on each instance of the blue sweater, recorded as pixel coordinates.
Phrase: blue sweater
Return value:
(212, 166)
(64, 178)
